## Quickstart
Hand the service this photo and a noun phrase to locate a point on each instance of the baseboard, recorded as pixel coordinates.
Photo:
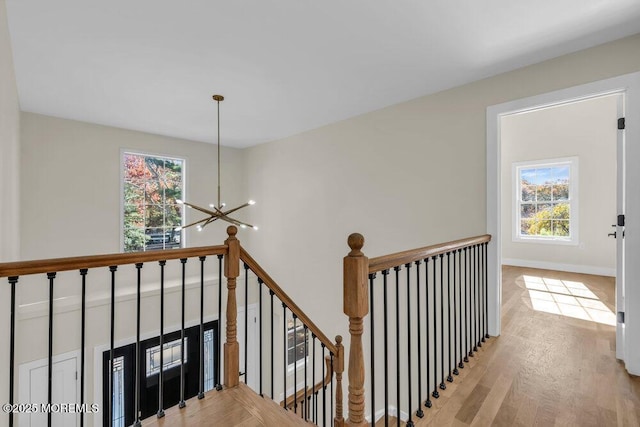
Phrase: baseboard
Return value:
(572, 268)
(393, 412)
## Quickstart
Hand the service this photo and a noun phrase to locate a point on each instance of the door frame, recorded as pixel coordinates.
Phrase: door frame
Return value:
(24, 387)
(629, 86)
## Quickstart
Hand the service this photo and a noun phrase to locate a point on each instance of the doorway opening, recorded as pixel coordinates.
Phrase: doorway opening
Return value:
(124, 372)
(626, 91)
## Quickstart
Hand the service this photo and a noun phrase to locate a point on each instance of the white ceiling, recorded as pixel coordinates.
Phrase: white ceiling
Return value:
(284, 66)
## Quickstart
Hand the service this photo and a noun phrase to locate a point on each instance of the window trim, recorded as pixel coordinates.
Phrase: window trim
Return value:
(123, 151)
(298, 364)
(573, 239)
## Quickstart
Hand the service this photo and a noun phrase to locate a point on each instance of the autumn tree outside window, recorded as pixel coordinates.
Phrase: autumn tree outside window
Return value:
(151, 185)
(546, 201)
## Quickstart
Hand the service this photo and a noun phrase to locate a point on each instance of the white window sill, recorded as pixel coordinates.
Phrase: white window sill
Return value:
(546, 241)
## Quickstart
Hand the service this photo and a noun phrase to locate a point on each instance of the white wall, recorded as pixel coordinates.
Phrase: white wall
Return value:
(70, 193)
(587, 130)
(9, 205)
(405, 176)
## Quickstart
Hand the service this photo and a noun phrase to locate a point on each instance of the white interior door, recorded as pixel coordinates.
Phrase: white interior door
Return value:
(251, 378)
(620, 235)
(33, 390)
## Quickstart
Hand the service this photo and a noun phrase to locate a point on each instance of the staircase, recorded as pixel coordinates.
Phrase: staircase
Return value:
(417, 320)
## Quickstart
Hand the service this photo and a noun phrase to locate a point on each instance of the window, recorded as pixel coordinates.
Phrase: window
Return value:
(297, 337)
(546, 201)
(151, 185)
(171, 356)
(118, 392)
(209, 360)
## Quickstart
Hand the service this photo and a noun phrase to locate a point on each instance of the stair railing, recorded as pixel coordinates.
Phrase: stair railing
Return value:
(440, 319)
(310, 401)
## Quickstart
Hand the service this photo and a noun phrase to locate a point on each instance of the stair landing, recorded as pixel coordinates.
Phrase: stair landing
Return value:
(238, 406)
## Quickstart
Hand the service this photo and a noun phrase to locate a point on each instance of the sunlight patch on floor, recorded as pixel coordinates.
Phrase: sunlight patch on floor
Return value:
(567, 298)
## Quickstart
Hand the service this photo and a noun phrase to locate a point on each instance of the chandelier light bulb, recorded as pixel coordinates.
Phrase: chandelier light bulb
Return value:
(179, 201)
(255, 227)
(252, 202)
(199, 228)
(178, 228)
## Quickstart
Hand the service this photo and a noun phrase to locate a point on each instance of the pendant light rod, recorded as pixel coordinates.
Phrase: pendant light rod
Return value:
(218, 99)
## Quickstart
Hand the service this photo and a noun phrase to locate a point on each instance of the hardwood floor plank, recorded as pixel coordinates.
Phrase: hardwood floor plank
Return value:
(545, 369)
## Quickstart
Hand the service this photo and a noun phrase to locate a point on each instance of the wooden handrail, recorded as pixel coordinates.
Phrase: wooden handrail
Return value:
(299, 397)
(277, 290)
(399, 258)
(21, 268)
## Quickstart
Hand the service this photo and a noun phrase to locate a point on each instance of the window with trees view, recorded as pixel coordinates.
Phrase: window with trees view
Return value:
(546, 201)
(151, 185)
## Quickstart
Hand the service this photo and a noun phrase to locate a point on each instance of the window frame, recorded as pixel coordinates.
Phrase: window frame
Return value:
(573, 238)
(125, 151)
(297, 364)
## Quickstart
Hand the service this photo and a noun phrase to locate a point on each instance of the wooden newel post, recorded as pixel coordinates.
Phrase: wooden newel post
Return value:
(356, 306)
(231, 347)
(339, 369)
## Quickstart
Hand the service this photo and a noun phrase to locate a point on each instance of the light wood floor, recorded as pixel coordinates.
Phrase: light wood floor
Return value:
(545, 369)
(238, 406)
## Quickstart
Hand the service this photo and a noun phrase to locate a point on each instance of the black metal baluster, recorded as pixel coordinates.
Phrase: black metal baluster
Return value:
(419, 412)
(306, 353)
(385, 310)
(331, 382)
(201, 339)
(285, 355)
(51, 277)
(435, 393)
(475, 290)
(486, 291)
(13, 280)
(137, 422)
(295, 363)
(409, 385)
(449, 377)
(427, 402)
(466, 307)
(271, 294)
(372, 277)
(472, 325)
(443, 386)
(260, 338)
(219, 385)
(460, 353)
(397, 270)
(481, 338)
(246, 322)
(182, 403)
(324, 389)
(161, 374)
(313, 379)
(455, 318)
(83, 319)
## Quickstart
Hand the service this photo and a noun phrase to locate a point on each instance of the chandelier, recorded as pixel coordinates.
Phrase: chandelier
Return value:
(216, 212)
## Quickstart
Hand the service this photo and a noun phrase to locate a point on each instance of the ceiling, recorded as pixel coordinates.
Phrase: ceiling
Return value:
(284, 66)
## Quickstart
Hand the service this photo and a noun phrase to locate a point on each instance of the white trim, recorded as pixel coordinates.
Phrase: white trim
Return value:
(573, 201)
(393, 412)
(572, 268)
(629, 85)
